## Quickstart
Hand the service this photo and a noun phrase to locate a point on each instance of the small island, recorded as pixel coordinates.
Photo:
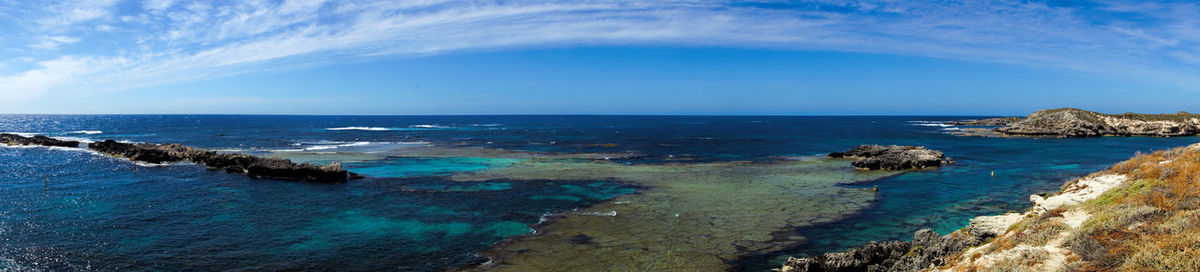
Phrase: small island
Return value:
(893, 157)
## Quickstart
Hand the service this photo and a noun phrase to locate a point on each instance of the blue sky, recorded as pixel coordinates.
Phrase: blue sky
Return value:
(597, 57)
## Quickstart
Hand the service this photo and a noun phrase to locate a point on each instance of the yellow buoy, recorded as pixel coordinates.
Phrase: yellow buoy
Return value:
(993, 173)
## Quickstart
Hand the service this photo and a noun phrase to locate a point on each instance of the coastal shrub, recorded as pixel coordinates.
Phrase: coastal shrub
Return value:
(1171, 253)
(1119, 217)
(1038, 230)
(1022, 260)
(1123, 192)
(1180, 222)
(1082, 244)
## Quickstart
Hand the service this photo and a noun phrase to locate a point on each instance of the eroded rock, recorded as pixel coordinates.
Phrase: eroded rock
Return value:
(893, 157)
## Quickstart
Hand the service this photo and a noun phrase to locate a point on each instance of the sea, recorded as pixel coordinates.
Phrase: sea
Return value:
(441, 191)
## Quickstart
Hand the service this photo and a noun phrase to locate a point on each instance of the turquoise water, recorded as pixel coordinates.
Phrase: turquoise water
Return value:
(409, 167)
(74, 210)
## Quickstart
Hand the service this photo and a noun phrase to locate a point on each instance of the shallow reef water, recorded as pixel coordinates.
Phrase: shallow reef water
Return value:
(688, 216)
(591, 193)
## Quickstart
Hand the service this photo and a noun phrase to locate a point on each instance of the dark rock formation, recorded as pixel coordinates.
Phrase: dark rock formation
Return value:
(892, 157)
(13, 139)
(257, 167)
(926, 250)
(1069, 122)
(989, 122)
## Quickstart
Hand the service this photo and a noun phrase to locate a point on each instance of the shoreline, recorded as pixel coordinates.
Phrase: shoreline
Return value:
(995, 241)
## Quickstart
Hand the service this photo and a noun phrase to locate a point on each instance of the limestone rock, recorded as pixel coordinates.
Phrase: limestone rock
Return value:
(893, 157)
(1069, 122)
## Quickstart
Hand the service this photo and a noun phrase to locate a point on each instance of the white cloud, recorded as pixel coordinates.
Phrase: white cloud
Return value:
(53, 42)
(178, 41)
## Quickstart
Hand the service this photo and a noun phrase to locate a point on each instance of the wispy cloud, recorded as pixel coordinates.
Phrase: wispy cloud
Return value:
(103, 46)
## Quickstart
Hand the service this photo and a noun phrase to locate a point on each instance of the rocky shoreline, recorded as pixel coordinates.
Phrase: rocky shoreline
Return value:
(37, 140)
(893, 157)
(1109, 220)
(1071, 122)
(927, 249)
(253, 166)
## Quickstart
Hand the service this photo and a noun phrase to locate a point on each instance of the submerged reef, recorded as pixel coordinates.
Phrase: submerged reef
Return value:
(893, 157)
(36, 140)
(1070, 122)
(257, 167)
(688, 217)
(683, 216)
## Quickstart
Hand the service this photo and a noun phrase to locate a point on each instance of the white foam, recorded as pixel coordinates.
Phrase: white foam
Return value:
(22, 134)
(362, 128)
(324, 147)
(428, 126)
(78, 139)
(609, 213)
(146, 164)
(88, 132)
(486, 125)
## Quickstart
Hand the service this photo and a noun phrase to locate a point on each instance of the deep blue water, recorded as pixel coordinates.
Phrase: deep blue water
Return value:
(73, 210)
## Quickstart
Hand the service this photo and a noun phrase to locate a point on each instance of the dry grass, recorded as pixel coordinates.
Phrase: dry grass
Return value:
(1022, 261)
(1150, 224)
(1038, 230)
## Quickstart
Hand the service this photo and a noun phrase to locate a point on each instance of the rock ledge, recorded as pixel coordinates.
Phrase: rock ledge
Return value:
(256, 167)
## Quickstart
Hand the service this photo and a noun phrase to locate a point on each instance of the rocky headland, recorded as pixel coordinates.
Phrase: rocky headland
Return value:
(256, 167)
(1070, 122)
(892, 157)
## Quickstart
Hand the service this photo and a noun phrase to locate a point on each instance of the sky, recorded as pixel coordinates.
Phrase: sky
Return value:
(598, 57)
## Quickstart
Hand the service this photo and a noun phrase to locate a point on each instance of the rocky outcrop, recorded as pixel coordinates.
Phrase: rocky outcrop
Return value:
(927, 249)
(989, 122)
(257, 167)
(13, 139)
(1069, 122)
(893, 157)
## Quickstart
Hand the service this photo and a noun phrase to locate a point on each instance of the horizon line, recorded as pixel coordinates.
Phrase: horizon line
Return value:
(514, 114)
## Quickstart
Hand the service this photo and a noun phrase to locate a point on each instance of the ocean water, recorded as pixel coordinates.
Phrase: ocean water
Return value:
(442, 189)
